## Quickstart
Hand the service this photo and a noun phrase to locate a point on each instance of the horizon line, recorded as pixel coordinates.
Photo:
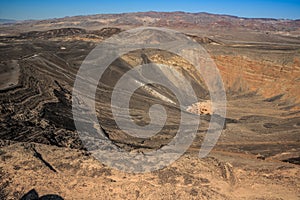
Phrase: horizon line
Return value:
(175, 11)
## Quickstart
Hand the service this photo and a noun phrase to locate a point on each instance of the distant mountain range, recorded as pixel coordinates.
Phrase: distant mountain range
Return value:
(7, 21)
(176, 20)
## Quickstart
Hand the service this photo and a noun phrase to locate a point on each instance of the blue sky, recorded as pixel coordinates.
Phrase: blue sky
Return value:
(43, 9)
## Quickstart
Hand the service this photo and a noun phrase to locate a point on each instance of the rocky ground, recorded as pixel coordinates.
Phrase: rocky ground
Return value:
(256, 157)
(72, 174)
